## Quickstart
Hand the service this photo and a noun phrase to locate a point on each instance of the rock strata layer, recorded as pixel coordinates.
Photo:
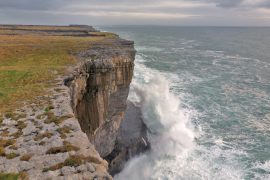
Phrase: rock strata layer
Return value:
(99, 91)
(131, 139)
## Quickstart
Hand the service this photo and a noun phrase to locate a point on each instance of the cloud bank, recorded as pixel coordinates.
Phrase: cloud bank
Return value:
(171, 12)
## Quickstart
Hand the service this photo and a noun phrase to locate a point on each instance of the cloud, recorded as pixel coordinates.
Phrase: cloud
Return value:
(27, 4)
(155, 9)
(251, 4)
(134, 12)
(149, 15)
(108, 4)
(257, 3)
(226, 3)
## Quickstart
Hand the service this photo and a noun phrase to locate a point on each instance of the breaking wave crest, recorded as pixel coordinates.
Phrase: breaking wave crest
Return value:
(169, 133)
(174, 152)
(224, 91)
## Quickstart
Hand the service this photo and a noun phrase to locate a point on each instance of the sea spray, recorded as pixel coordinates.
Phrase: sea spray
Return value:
(223, 83)
(168, 134)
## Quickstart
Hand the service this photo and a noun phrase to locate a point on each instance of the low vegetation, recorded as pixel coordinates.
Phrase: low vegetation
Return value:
(47, 109)
(9, 176)
(14, 176)
(13, 147)
(20, 126)
(43, 135)
(4, 133)
(63, 131)
(1, 120)
(32, 56)
(2, 151)
(26, 157)
(7, 142)
(51, 118)
(12, 155)
(73, 161)
(67, 146)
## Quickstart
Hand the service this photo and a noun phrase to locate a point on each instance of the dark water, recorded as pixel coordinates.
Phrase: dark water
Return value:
(205, 96)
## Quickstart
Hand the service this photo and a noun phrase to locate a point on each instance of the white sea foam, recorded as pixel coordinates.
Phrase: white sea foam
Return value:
(263, 167)
(174, 154)
(232, 143)
(149, 49)
(169, 134)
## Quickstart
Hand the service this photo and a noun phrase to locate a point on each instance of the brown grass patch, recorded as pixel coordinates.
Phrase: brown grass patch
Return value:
(17, 134)
(14, 176)
(14, 115)
(12, 155)
(41, 143)
(41, 116)
(2, 151)
(7, 142)
(51, 118)
(4, 133)
(73, 161)
(23, 176)
(13, 147)
(21, 125)
(65, 148)
(63, 131)
(43, 135)
(26, 157)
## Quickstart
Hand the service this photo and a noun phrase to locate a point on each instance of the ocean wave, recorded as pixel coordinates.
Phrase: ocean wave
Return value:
(174, 152)
(170, 132)
(149, 49)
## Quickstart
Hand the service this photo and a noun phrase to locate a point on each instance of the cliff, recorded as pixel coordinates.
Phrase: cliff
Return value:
(99, 90)
(67, 129)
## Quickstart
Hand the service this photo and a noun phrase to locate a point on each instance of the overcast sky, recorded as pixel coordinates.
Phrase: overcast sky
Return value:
(137, 12)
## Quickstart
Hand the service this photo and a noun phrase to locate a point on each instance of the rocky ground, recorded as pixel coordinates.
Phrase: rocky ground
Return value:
(45, 141)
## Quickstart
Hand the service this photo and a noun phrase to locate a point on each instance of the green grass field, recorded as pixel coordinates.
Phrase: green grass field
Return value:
(29, 62)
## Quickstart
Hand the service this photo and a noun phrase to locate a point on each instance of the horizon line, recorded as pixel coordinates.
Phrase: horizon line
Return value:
(114, 25)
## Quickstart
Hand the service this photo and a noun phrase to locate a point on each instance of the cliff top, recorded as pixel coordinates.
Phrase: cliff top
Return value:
(39, 135)
(32, 56)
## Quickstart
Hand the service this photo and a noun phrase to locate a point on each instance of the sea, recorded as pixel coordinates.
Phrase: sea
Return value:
(204, 93)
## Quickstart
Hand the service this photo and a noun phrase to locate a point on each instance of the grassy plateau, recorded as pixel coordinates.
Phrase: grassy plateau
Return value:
(31, 57)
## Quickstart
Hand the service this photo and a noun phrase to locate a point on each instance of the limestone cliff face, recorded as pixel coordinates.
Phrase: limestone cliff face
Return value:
(99, 90)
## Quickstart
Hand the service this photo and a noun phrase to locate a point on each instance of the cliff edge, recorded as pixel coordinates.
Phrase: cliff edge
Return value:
(99, 90)
(72, 121)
